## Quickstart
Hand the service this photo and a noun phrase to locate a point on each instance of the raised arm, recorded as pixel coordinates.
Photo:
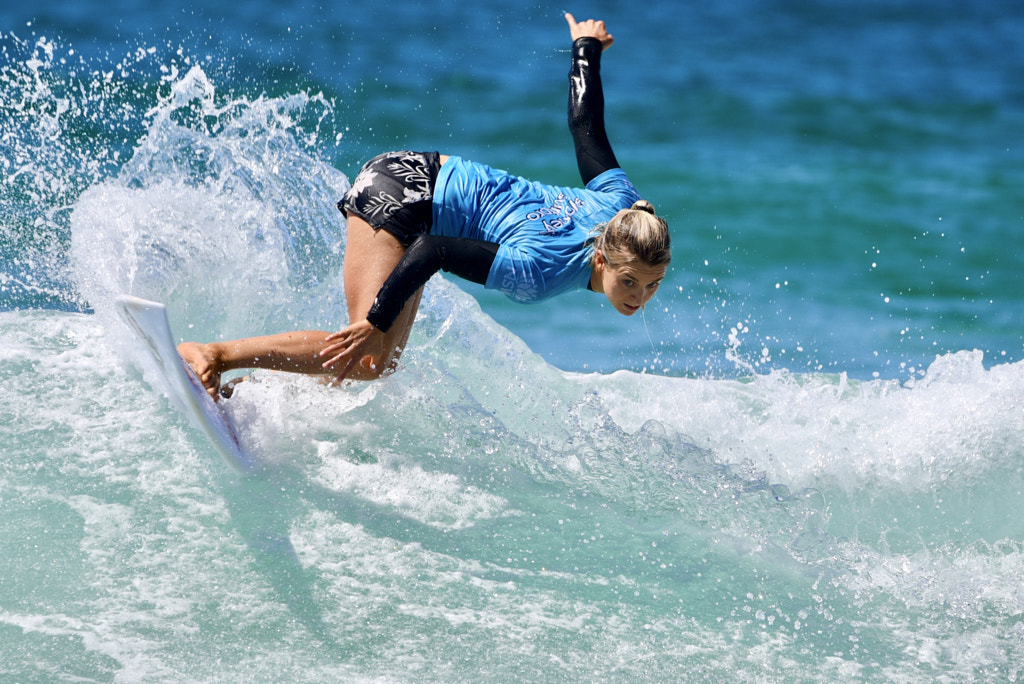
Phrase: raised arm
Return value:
(594, 153)
(471, 259)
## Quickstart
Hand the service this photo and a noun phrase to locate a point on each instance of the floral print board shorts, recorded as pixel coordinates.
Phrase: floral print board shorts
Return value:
(395, 191)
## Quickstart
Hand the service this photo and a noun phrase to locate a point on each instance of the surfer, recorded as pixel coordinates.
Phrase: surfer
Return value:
(411, 214)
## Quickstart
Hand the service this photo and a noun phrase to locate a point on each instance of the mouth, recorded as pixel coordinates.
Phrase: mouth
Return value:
(630, 309)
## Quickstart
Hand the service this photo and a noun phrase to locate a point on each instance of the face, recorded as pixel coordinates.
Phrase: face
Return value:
(629, 286)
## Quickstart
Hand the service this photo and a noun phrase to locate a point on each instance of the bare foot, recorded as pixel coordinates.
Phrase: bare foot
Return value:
(205, 364)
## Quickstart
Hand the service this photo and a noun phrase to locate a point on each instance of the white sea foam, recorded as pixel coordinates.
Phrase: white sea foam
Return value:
(959, 420)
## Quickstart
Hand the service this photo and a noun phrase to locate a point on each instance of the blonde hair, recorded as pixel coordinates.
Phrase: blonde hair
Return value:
(634, 234)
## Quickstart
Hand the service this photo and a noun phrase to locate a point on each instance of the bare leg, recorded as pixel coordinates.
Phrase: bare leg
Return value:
(370, 257)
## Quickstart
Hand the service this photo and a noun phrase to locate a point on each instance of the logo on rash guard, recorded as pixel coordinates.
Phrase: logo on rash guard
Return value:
(558, 215)
(520, 287)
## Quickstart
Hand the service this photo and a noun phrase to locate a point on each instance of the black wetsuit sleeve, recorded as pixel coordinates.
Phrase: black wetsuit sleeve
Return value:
(428, 254)
(594, 153)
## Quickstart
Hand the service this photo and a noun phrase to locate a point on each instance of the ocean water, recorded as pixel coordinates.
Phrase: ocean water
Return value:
(802, 464)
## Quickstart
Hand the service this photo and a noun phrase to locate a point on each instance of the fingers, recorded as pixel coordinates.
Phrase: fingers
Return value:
(342, 342)
(342, 347)
(337, 352)
(346, 346)
(201, 366)
(594, 28)
(351, 343)
(348, 369)
(211, 383)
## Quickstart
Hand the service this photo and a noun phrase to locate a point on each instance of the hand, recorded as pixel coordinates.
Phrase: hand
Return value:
(590, 28)
(351, 345)
(205, 365)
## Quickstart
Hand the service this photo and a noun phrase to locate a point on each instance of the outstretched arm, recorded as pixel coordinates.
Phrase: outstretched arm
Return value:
(594, 153)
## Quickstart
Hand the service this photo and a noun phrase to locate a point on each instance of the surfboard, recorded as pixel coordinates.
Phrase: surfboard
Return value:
(148, 320)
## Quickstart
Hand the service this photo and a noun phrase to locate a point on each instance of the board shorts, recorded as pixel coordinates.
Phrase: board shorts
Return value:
(394, 191)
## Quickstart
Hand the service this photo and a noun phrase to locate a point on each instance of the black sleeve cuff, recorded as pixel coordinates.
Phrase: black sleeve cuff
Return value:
(587, 48)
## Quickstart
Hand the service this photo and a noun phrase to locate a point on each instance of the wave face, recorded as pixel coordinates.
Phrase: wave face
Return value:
(482, 515)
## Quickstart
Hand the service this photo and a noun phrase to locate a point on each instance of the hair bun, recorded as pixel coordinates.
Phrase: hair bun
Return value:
(634, 234)
(644, 205)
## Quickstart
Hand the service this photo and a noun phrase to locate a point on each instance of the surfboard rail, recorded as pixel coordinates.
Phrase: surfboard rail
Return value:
(148, 321)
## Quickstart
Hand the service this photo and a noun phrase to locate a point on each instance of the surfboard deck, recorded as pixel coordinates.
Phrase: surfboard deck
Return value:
(148, 320)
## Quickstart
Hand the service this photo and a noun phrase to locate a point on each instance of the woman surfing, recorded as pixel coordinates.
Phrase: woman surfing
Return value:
(411, 214)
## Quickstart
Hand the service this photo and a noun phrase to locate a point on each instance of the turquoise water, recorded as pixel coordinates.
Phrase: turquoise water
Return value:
(802, 464)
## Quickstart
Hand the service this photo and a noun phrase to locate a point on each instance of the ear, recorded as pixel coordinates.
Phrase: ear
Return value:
(599, 261)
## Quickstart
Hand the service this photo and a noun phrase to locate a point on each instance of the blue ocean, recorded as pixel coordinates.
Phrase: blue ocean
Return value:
(803, 463)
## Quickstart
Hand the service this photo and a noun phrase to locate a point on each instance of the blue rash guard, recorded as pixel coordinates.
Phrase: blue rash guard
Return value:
(541, 230)
(526, 239)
